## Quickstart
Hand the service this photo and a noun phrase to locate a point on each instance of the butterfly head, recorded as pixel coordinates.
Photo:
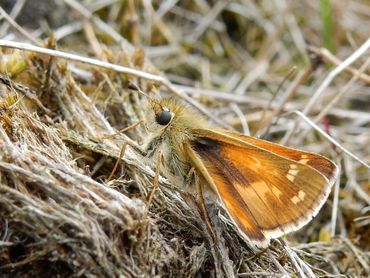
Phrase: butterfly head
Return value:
(158, 116)
(170, 117)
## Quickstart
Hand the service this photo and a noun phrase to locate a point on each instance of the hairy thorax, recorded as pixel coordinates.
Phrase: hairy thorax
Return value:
(176, 164)
(169, 139)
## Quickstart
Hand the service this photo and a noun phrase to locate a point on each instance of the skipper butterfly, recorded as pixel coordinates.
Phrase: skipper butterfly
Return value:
(267, 189)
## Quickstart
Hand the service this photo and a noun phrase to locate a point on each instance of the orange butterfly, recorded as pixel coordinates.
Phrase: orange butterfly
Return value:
(267, 190)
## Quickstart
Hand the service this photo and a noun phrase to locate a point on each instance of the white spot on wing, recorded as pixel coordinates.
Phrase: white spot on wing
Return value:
(301, 195)
(304, 159)
(293, 172)
(298, 198)
(290, 177)
(295, 200)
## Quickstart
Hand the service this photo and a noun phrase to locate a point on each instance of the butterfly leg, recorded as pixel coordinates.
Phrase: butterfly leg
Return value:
(121, 153)
(155, 181)
(223, 267)
(202, 207)
(123, 148)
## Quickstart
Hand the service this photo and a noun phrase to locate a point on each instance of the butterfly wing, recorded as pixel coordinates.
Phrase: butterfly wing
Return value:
(319, 162)
(265, 193)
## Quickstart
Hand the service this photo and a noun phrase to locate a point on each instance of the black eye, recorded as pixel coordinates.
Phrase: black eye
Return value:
(163, 117)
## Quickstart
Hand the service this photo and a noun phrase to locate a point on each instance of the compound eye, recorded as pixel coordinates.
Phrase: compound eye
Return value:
(163, 117)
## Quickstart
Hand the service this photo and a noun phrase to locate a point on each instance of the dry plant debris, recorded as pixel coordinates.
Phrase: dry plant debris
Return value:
(61, 215)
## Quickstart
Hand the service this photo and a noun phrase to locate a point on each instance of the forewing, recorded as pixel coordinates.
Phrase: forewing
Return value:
(234, 204)
(319, 162)
(260, 189)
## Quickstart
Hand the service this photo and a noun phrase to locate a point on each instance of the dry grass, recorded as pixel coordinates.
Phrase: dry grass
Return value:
(59, 214)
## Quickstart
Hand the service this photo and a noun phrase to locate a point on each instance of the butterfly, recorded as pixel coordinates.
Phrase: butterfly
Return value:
(267, 190)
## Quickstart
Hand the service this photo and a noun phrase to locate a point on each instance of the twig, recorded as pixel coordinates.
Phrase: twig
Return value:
(328, 56)
(94, 62)
(286, 99)
(260, 274)
(100, 24)
(291, 254)
(351, 59)
(334, 212)
(13, 14)
(242, 118)
(208, 19)
(357, 254)
(81, 59)
(330, 139)
(17, 27)
(337, 97)
(6, 227)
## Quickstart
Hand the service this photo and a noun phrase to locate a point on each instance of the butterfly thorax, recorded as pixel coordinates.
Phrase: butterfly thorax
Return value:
(169, 140)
